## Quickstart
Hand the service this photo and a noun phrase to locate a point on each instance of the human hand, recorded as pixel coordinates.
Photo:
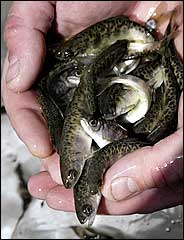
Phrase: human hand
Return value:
(24, 33)
(24, 110)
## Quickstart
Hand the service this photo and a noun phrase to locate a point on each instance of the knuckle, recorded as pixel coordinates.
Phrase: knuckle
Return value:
(12, 25)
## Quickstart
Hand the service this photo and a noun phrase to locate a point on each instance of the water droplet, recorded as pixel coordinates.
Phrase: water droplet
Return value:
(179, 157)
(60, 201)
(171, 162)
(168, 229)
(34, 146)
(178, 220)
(172, 221)
(39, 189)
(165, 165)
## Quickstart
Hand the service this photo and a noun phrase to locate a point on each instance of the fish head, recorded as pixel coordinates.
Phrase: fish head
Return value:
(86, 204)
(72, 157)
(86, 209)
(71, 174)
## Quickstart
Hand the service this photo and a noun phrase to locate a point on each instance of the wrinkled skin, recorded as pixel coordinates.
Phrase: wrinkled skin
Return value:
(27, 43)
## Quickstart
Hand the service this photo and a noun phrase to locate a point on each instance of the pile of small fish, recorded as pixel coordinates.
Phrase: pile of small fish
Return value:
(107, 91)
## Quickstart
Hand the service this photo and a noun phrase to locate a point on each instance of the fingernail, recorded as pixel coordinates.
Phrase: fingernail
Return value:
(13, 73)
(123, 187)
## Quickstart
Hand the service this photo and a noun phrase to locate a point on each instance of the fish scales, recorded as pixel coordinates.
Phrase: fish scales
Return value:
(83, 104)
(87, 189)
(94, 39)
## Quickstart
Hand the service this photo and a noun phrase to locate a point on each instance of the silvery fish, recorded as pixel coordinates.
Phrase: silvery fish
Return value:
(127, 66)
(135, 102)
(103, 132)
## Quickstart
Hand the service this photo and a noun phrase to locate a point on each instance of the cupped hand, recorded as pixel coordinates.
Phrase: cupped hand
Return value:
(25, 30)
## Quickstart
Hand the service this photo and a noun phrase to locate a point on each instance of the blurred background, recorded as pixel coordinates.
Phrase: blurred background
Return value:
(24, 217)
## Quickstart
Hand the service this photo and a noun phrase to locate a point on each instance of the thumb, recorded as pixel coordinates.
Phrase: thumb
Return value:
(146, 168)
(24, 35)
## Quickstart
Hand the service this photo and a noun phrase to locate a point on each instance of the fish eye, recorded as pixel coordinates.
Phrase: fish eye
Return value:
(77, 73)
(87, 209)
(93, 122)
(68, 53)
(151, 24)
(72, 174)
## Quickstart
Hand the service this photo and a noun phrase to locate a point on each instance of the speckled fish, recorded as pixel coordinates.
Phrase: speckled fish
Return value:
(55, 90)
(94, 39)
(134, 102)
(116, 100)
(87, 190)
(53, 116)
(175, 60)
(72, 154)
(103, 132)
(61, 84)
(151, 72)
(162, 119)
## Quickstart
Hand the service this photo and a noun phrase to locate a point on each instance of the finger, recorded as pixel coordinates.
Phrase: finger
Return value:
(40, 184)
(60, 198)
(150, 200)
(25, 25)
(180, 112)
(52, 165)
(146, 202)
(72, 17)
(25, 116)
(146, 168)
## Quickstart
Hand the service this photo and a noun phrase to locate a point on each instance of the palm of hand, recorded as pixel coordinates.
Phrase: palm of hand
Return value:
(70, 19)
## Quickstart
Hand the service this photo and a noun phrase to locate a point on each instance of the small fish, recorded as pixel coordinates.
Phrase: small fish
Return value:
(55, 90)
(61, 84)
(176, 63)
(87, 193)
(100, 232)
(116, 100)
(125, 67)
(53, 116)
(162, 118)
(155, 20)
(167, 122)
(94, 39)
(103, 132)
(151, 72)
(72, 155)
(136, 102)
